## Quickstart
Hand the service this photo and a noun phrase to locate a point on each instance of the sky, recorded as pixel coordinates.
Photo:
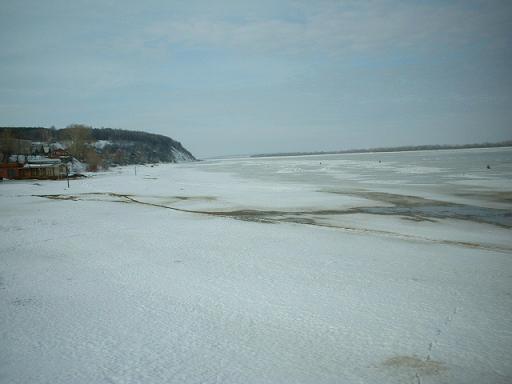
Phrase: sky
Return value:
(244, 77)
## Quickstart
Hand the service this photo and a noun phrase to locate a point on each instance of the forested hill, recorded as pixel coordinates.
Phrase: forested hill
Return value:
(114, 146)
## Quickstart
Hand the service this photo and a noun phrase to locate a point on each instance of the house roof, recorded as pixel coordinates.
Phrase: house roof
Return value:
(41, 160)
(43, 165)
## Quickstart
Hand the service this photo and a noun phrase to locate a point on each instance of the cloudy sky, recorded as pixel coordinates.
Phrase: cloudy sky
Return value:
(240, 77)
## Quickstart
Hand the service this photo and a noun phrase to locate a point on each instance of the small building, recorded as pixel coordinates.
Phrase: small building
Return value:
(59, 153)
(33, 167)
(40, 148)
(44, 171)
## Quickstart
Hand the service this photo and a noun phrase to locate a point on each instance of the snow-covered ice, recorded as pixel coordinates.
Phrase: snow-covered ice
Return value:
(267, 270)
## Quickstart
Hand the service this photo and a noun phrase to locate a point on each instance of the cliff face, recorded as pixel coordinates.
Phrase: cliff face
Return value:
(126, 147)
(111, 146)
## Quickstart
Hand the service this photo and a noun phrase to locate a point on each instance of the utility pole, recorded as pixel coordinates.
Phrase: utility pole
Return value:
(133, 157)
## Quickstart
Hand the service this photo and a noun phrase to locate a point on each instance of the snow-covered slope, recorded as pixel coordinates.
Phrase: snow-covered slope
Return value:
(181, 156)
(256, 271)
(114, 146)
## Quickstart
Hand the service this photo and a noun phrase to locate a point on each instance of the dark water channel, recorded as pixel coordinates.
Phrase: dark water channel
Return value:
(498, 217)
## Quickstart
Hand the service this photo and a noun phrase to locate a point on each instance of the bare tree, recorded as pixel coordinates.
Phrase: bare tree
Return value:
(78, 135)
(10, 145)
(6, 144)
(93, 160)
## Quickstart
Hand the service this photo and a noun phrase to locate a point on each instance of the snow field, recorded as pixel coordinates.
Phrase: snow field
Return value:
(108, 291)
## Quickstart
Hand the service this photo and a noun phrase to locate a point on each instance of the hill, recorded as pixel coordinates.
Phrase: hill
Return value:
(105, 145)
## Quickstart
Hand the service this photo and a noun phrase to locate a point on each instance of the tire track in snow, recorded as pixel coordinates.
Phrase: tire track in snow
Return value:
(275, 217)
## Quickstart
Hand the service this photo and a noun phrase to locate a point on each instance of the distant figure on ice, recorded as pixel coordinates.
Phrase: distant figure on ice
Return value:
(488, 166)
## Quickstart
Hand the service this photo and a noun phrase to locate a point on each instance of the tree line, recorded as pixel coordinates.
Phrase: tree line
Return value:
(404, 148)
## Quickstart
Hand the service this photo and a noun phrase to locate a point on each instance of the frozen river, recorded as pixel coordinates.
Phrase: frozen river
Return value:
(370, 268)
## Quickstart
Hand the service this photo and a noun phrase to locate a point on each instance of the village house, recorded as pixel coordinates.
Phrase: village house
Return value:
(32, 167)
(23, 159)
(39, 148)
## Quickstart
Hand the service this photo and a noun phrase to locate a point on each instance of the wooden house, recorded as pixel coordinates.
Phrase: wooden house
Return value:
(34, 168)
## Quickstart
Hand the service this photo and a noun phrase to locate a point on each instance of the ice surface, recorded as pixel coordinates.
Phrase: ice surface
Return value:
(259, 271)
